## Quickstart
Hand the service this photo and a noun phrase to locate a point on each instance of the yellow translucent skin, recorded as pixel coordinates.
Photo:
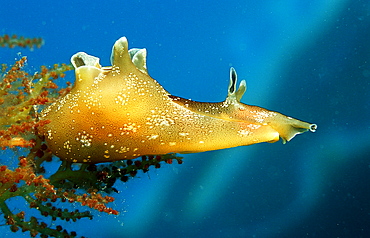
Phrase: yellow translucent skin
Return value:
(120, 112)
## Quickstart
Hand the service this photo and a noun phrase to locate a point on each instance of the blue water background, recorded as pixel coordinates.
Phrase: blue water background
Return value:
(306, 59)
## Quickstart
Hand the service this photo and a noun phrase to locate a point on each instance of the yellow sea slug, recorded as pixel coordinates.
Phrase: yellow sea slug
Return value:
(120, 112)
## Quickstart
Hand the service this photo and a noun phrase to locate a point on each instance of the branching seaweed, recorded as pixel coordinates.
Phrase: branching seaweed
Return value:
(22, 96)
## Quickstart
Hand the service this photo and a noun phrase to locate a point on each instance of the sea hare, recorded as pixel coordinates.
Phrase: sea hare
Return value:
(120, 112)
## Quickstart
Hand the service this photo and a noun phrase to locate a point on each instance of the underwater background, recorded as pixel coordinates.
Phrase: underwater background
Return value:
(306, 59)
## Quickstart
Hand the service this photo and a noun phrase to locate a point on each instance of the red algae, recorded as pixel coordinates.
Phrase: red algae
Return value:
(22, 96)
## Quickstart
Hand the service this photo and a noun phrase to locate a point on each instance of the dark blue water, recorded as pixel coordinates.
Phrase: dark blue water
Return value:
(307, 60)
